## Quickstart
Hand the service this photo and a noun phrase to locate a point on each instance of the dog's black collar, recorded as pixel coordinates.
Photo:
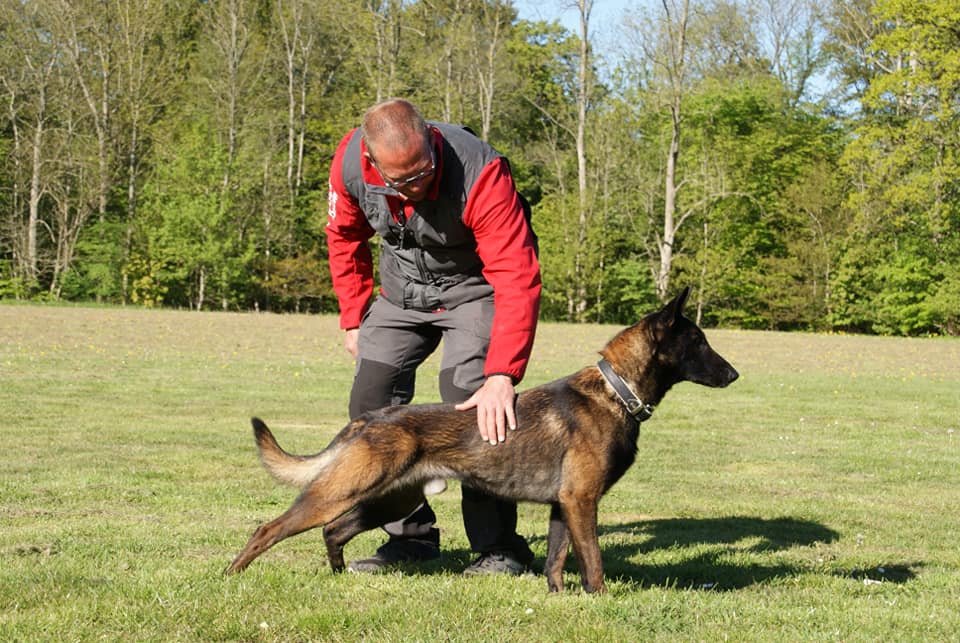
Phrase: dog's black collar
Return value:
(637, 409)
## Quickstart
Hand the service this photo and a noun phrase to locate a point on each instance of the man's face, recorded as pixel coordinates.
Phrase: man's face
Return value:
(409, 171)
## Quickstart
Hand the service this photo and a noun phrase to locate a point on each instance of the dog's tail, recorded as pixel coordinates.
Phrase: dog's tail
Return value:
(296, 470)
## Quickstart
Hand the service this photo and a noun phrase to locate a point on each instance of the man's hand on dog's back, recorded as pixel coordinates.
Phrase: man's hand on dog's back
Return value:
(495, 412)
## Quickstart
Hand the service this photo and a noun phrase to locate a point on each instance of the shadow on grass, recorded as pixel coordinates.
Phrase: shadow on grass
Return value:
(726, 553)
(714, 553)
(898, 574)
(718, 554)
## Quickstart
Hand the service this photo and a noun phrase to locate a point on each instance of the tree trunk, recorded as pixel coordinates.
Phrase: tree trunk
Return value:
(201, 287)
(583, 95)
(33, 217)
(675, 64)
(669, 205)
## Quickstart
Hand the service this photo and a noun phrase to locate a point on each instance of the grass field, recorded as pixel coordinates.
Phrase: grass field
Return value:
(815, 499)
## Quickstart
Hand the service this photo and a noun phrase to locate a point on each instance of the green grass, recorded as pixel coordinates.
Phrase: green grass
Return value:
(814, 499)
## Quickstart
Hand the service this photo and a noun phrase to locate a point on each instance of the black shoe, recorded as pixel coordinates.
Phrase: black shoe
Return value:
(497, 562)
(415, 549)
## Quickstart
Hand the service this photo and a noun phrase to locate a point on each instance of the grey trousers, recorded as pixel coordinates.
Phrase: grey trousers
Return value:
(393, 343)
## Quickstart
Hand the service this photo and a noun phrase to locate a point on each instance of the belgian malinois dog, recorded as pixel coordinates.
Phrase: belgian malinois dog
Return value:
(576, 436)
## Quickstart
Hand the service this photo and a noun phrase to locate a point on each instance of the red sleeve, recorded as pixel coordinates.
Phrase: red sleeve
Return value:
(505, 245)
(351, 263)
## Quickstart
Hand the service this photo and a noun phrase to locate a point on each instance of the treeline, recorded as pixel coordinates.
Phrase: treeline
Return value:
(795, 161)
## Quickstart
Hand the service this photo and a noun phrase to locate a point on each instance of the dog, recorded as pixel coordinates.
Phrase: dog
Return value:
(576, 437)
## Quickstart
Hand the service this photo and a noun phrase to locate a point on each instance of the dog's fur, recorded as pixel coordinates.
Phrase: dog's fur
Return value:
(574, 440)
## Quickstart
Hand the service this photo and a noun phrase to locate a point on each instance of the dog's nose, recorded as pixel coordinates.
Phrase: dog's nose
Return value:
(732, 374)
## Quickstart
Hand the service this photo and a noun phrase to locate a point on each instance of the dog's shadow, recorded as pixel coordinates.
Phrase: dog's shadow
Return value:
(726, 553)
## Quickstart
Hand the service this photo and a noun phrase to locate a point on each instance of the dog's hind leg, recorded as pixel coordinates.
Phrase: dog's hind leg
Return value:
(367, 515)
(306, 513)
(354, 473)
(558, 543)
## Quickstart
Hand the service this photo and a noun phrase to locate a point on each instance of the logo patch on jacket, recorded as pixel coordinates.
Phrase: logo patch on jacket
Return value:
(331, 202)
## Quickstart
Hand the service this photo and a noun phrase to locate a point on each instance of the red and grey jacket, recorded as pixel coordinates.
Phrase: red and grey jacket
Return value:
(467, 239)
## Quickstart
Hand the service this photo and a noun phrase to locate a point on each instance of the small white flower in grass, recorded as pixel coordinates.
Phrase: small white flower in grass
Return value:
(263, 625)
(529, 610)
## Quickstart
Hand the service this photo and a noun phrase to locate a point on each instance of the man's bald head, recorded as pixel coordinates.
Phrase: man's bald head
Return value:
(393, 125)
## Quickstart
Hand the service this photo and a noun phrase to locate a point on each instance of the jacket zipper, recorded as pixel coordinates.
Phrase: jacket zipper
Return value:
(417, 253)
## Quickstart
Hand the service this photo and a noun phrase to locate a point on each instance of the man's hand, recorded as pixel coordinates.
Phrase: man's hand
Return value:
(494, 404)
(350, 341)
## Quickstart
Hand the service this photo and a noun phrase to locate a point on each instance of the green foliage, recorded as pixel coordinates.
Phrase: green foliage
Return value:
(943, 304)
(96, 273)
(145, 287)
(554, 223)
(632, 292)
(899, 268)
(761, 195)
(899, 305)
(221, 119)
(195, 254)
(11, 286)
(300, 283)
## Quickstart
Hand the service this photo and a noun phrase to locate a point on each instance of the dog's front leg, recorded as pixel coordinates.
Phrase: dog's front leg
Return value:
(581, 517)
(558, 543)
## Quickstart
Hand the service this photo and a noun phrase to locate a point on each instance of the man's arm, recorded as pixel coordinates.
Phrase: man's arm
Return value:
(351, 263)
(505, 245)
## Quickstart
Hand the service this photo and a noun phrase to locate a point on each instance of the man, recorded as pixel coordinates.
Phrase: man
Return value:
(457, 263)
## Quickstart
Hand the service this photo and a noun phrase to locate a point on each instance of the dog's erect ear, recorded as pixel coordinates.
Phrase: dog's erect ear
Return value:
(673, 311)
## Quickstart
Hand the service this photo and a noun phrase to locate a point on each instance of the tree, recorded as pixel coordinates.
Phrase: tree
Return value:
(584, 89)
(189, 248)
(905, 170)
(149, 55)
(87, 30)
(760, 189)
(663, 46)
(561, 87)
(850, 30)
(29, 84)
(376, 32)
(794, 38)
(177, 152)
(495, 25)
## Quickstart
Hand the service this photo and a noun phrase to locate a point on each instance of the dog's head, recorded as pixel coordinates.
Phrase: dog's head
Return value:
(682, 347)
(670, 348)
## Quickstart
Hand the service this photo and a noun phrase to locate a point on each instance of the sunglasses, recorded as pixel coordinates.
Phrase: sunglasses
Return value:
(416, 178)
